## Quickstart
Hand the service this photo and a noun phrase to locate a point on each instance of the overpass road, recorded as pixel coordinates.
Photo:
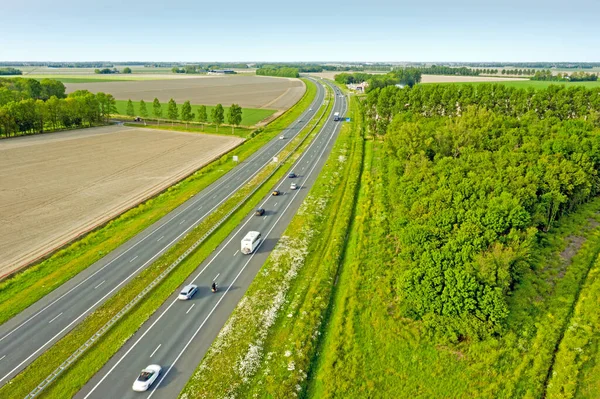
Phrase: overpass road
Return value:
(30, 333)
(180, 332)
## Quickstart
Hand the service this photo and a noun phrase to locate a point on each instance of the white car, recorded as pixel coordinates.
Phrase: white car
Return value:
(281, 137)
(293, 186)
(146, 378)
(187, 292)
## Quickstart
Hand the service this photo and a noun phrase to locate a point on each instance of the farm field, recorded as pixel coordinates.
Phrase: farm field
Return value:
(250, 116)
(459, 79)
(247, 91)
(88, 177)
(532, 83)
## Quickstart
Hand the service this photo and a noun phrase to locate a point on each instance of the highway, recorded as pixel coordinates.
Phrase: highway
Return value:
(30, 333)
(178, 335)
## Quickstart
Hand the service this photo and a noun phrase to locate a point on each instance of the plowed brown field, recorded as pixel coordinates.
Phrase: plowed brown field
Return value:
(55, 187)
(246, 90)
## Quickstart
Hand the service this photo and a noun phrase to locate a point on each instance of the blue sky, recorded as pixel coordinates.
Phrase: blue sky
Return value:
(308, 30)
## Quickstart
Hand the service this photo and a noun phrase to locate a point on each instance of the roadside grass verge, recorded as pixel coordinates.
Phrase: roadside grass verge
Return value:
(266, 346)
(369, 351)
(240, 131)
(250, 116)
(26, 287)
(75, 377)
(575, 372)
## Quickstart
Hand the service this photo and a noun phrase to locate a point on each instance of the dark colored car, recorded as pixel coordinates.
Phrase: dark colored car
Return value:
(259, 212)
(137, 119)
(292, 175)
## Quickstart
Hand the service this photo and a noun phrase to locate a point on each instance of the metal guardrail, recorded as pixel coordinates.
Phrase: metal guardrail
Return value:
(83, 348)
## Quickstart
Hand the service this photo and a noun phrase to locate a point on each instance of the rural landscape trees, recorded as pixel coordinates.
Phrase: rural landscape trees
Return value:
(234, 116)
(157, 109)
(172, 110)
(28, 106)
(186, 113)
(202, 115)
(218, 115)
(130, 111)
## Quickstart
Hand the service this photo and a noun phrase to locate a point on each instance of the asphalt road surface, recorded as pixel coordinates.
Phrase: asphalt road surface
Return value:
(178, 335)
(29, 334)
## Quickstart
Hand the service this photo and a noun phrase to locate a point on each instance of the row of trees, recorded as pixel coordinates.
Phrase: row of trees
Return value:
(470, 186)
(282, 72)
(463, 71)
(15, 89)
(10, 71)
(234, 114)
(405, 77)
(580, 76)
(79, 109)
(526, 72)
(106, 71)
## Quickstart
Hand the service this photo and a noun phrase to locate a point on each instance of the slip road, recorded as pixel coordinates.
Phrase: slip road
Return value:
(29, 334)
(176, 337)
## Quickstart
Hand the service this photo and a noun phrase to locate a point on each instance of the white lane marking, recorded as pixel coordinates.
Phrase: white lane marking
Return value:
(188, 311)
(201, 196)
(2, 357)
(236, 252)
(275, 204)
(134, 258)
(160, 238)
(199, 207)
(182, 221)
(99, 284)
(217, 276)
(159, 345)
(56, 317)
(198, 275)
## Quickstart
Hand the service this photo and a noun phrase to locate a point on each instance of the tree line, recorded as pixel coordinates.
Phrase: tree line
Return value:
(526, 72)
(10, 71)
(463, 71)
(405, 77)
(474, 175)
(234, 114)
(282, 72)
(580, 76)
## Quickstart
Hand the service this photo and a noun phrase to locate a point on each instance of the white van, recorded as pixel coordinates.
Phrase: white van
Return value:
(250, 242)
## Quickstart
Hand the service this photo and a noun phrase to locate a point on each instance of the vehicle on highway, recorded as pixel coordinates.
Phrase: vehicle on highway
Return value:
(293, 186)
(137, 119)
(259, 212)
(281, 137)
(146, 378)
(250, 242)
(292, 175)
(276, 193)
(336, 116)
(187, 292)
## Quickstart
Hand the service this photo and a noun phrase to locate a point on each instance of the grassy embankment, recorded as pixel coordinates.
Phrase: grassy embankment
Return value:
(266, 347)
(368, 351)
(28, 286)
(76, 376)
(536, 84)
(250, 116)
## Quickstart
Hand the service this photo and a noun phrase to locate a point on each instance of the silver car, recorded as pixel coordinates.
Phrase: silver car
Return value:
(187, 292)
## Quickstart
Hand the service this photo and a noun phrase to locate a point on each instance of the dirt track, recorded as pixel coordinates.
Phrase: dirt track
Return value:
(246, 90)
(56, 186)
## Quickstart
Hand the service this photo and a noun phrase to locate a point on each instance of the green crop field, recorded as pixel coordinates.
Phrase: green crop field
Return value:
(250, 116)
(536, 84)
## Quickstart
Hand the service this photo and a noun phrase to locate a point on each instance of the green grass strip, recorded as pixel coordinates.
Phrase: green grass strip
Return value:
(75, 377)
(25, 288)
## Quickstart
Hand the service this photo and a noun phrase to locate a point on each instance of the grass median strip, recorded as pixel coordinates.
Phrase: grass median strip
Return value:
(23, 289)
(266, 347)
(75, 377)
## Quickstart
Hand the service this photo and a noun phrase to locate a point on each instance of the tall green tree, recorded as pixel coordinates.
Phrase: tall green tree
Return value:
(157, 109)
(172, 111)
(218, 115)
(186, 113)
(234, 116)
(130, 111)
(202, 115)
(143, 109)
(126, 70)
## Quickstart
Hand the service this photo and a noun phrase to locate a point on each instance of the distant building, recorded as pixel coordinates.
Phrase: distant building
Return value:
(360, 87)
(221, 72)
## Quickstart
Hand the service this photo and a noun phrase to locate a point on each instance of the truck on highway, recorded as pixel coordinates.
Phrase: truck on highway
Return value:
(336, 116)
(250, 242)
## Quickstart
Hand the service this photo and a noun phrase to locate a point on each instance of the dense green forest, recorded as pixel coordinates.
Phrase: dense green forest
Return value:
(28, 106)
(547, 75)
(10, 71)
(282, 72)
(405, 76)
(478, 171)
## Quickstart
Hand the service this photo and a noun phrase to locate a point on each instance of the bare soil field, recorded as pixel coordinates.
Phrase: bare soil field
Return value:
(246, 90)
(57, 186)
(455, 79)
